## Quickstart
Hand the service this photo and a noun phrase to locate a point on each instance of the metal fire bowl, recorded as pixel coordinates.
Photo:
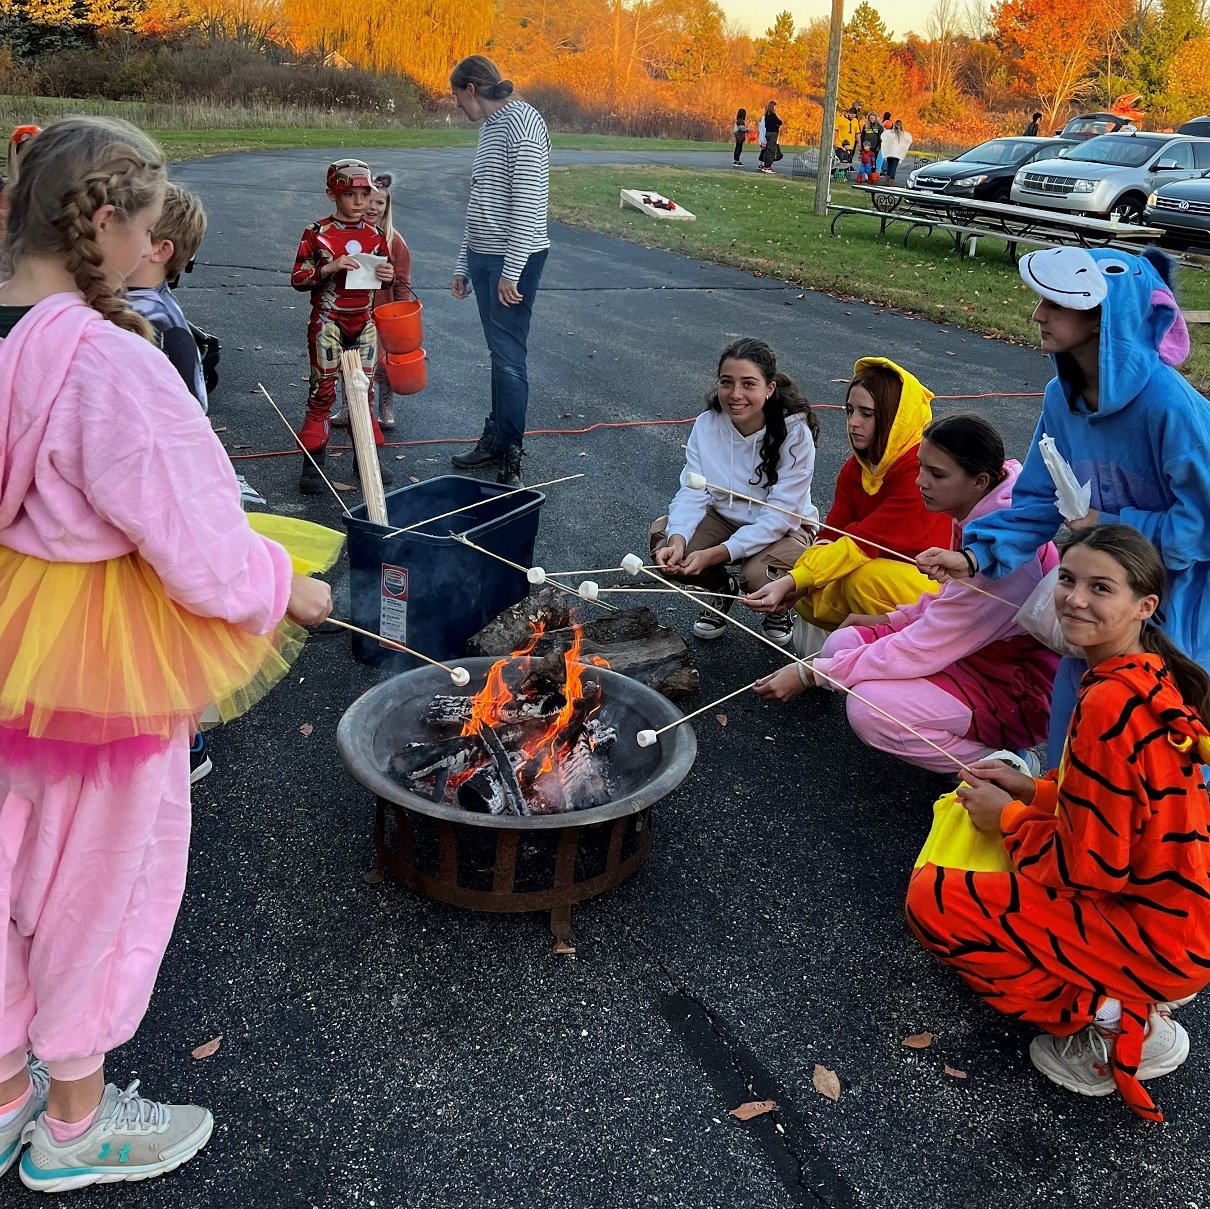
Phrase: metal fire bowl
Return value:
(381, 721)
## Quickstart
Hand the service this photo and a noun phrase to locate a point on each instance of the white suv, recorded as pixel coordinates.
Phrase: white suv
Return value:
(1112, 175)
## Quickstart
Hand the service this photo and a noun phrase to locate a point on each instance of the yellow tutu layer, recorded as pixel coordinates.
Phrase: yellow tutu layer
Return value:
(312, 548)
(97, 652)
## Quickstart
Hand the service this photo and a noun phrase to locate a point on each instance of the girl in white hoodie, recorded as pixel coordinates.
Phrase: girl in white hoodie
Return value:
(757, 436)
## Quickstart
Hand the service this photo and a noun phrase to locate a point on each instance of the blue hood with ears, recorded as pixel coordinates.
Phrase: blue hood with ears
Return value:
(1141, 324)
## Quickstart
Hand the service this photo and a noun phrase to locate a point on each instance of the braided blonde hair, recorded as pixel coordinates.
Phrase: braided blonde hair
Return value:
(68, 172)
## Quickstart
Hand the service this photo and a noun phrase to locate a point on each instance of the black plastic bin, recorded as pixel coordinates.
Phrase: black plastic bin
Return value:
(426, 590)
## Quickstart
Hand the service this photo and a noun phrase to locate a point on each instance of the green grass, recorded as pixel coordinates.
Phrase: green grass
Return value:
(188, 130)
(767, 225)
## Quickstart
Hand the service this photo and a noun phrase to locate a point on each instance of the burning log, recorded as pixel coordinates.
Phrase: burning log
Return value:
(514, 799)
(631, 641)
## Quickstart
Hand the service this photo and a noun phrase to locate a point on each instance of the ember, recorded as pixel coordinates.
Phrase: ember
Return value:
(529, 742)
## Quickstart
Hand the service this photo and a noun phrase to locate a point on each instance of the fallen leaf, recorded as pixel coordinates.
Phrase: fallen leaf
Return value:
(754, 1108)
(221, 429)
(918, 1041)
(372, 877)
(243, 446)
(413, 479)
(826, 1083)
(344, 486)
(209, 1049)
(721, 719)
(955, 1074)
(563, 949)
(305, 729)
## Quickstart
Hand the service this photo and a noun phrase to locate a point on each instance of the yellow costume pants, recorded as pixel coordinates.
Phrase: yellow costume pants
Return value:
(875, 587)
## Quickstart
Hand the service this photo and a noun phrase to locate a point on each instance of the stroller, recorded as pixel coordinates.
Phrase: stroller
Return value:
(842, 161)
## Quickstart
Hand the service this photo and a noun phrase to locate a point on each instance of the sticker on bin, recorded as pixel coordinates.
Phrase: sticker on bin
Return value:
(393, 605)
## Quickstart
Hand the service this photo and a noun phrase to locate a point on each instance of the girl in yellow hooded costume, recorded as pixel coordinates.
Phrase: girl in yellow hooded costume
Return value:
(876, 499)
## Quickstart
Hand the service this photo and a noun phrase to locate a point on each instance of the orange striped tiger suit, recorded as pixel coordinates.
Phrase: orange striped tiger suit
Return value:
(1110, 890)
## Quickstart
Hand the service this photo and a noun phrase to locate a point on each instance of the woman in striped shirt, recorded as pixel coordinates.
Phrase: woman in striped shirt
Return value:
(504, 248)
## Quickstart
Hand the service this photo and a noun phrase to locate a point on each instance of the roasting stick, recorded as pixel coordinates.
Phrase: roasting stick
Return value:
(306, 451)
(698, 481)
(486, 499)
(590, 590)
(459, 675)
(652, 735)
(599, 570)
(534, 575)
(634, 566)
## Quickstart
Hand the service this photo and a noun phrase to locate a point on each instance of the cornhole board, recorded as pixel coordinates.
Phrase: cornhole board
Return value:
(634, 199)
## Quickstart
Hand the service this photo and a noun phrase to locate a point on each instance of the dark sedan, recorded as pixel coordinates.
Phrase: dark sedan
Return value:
(1182, 209)
(985, 172)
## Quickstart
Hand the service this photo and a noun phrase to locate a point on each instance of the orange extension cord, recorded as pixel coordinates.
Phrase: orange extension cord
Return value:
(576, 432)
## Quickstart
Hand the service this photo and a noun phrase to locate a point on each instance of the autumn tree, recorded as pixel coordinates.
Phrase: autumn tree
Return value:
(1055, 45)
(942, 59)
(1188, 93)
(777, 60)
(870, 74)
(1159, 35)
(701, 46)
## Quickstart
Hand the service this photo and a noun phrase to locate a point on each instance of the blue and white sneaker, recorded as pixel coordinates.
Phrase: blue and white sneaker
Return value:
(200, 764)
(13, 1135)
(130, 1139)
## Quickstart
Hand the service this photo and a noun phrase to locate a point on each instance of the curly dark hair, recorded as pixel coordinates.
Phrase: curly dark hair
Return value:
(786, 400)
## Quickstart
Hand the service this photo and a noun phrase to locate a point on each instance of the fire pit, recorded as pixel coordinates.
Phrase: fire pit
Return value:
(561, 852)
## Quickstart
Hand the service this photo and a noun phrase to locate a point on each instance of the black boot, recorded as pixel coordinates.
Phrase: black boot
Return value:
(311, 482)
(509, 474)
(484, 453)
(384, 471)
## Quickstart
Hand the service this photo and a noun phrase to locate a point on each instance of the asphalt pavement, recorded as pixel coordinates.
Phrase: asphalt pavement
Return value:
(382, 1049)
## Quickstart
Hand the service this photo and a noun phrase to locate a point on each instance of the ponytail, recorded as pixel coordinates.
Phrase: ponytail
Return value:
(1191, 679)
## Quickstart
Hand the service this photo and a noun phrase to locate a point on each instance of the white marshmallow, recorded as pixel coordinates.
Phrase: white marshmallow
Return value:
(694, 481)
(536, 575)
(589, 590)
(647, 738)
(460, 676)
(632, 564)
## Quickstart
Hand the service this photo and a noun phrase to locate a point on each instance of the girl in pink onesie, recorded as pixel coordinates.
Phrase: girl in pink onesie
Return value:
(126, 613)
(955, 666)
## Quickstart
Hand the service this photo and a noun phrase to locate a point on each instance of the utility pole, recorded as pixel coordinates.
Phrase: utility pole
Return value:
(827, 133)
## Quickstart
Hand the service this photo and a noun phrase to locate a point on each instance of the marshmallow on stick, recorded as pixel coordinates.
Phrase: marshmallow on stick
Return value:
(1071, 498)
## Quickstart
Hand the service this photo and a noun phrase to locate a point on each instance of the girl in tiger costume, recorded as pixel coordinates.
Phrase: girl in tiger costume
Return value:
(1098, 924)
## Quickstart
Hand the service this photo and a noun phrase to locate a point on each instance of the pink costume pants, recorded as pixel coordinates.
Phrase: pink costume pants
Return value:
(92, 870)
(922, 705)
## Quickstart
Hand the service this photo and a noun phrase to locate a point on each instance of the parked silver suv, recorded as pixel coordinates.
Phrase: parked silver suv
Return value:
(1112, 175)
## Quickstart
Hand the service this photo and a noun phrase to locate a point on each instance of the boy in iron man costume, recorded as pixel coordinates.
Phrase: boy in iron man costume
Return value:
(340, 317)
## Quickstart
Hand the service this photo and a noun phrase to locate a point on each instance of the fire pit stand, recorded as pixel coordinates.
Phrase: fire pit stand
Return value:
(485, 862)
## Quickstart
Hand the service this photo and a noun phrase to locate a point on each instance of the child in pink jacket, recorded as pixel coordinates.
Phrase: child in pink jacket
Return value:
(954, 666)
(134, 597)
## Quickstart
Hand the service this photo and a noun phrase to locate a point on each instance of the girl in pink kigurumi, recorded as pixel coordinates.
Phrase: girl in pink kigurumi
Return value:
(134, 597)
(955, 666)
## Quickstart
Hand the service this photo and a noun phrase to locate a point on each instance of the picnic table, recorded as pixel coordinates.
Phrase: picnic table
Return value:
(967, 220)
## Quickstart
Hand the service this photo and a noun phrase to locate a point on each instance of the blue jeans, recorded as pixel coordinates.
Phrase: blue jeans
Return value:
(506, 329)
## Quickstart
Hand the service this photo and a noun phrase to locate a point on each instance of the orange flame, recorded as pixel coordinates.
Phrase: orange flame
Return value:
(488, 705)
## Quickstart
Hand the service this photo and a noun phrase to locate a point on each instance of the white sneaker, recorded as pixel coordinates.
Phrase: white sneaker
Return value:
(130, 1139)
(1014, 759)
(779, 627)
(1081, 1063)
(710, 625)
(12, 1135)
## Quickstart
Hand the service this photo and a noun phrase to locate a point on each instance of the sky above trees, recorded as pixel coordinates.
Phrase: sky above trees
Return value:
(901, 16)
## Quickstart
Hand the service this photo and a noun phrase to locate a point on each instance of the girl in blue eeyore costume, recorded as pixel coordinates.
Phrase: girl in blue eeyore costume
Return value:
(1127, 422)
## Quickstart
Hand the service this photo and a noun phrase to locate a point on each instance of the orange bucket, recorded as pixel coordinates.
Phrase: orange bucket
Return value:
(399, 326)
(406, 371)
